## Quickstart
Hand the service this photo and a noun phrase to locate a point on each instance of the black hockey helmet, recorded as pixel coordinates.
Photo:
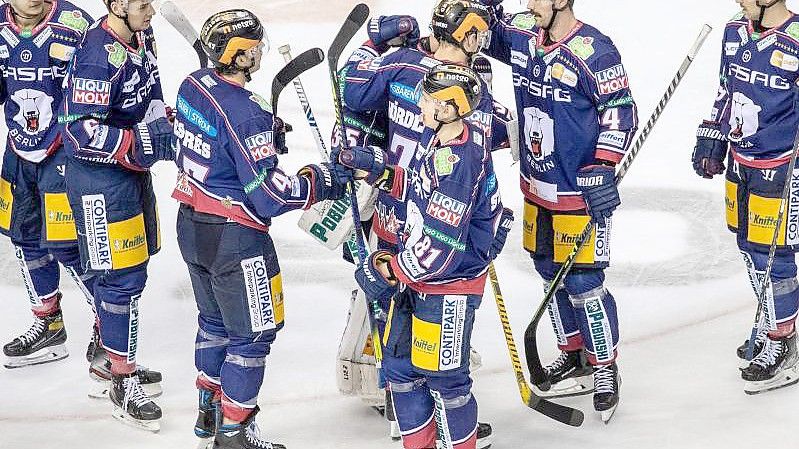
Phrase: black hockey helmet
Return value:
(228, 34)
(455, 85)
(454, 20)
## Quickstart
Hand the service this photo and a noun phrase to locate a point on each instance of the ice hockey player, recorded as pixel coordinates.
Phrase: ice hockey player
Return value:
(452, 203)
(38, 43)
(576, 119)
(230, 187)
(115, 129)
(755, 116)
(387, 83)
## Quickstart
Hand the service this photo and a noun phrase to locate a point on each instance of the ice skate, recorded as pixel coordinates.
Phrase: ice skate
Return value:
(569, 375)
(100, 372)
(775, 367)
(209, 416)
(131, 405)
(43, 342)
(606, 390)
(244, 435)
(484, 435)
(743, 362)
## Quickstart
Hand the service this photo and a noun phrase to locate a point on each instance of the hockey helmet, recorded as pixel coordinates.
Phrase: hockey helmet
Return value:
(227, 34)
(454, 20)
(455, 85)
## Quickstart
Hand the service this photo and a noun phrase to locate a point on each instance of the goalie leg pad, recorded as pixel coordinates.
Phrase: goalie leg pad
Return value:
(357, 373)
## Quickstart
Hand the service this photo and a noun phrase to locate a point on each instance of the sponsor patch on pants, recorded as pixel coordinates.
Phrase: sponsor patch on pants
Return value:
(97, 239)
(6, 203)
(264, 295)
(59, 221)
(439, 346)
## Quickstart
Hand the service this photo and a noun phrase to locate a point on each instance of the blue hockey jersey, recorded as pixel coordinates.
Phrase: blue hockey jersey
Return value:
(754, 106)
(573, 101)
(34, 64)
(388, 83)
(226, 155)
(452, 206)
(111, 86)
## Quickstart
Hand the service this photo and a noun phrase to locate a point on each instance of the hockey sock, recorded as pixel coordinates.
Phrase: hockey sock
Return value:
(242, 374)
(596, 313)
(41, 277)
(413, 406)
(564, 321)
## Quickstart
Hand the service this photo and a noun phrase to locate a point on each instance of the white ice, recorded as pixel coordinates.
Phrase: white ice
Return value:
(683, 295)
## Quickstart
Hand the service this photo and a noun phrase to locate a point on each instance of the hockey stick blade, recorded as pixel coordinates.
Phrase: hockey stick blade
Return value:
(561, 413)
(178, 20)
(353, 23)
(537, 374)
(304, 61)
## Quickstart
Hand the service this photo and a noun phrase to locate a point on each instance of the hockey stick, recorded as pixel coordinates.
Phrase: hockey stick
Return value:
(178, 20)
(537, 374)
(285, 50)
(295, 67)
(765, 284)
(566, 415)
(351, 25)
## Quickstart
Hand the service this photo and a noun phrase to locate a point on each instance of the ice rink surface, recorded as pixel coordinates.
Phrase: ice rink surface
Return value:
(683, 294)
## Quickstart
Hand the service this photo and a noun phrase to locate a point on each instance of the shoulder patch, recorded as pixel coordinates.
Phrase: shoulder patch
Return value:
(523, 21)
(261, 102)
(793, 30)
(74, 20)
(582, 46)
(117, 55)
(429, 62)
(445, 161)
(738, 16)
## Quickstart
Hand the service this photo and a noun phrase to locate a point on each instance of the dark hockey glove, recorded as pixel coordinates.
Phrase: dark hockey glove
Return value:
(326, 182)
(374, 284)
(710, 150)
(279, 129)
(598, 185)
(393, 31)
(505, 225)
(364, 159)
(152, 142)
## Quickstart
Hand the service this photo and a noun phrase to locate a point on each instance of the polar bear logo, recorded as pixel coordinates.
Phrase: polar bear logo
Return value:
(35, 110)
(539, 133)
(744, 120)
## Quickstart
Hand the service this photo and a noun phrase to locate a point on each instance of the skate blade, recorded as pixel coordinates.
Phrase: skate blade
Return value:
(607, 415)
(150, 426)
(394, 431)
(784, 379)
(103, 387)
(573, 386)
(206, 443)
(42, 356)
(484, 443)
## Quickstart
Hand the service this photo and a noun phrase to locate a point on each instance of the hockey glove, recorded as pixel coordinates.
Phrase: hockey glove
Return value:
(393, 31)
(279, 129)
(365, 159)
(375, 285)
(710, 150)
(598, 185)
(152, 142)
(505, 225)
(326, 182)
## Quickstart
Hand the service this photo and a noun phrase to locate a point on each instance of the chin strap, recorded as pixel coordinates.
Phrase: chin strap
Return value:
(759, 22)
(38, 18)
(555, 12)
